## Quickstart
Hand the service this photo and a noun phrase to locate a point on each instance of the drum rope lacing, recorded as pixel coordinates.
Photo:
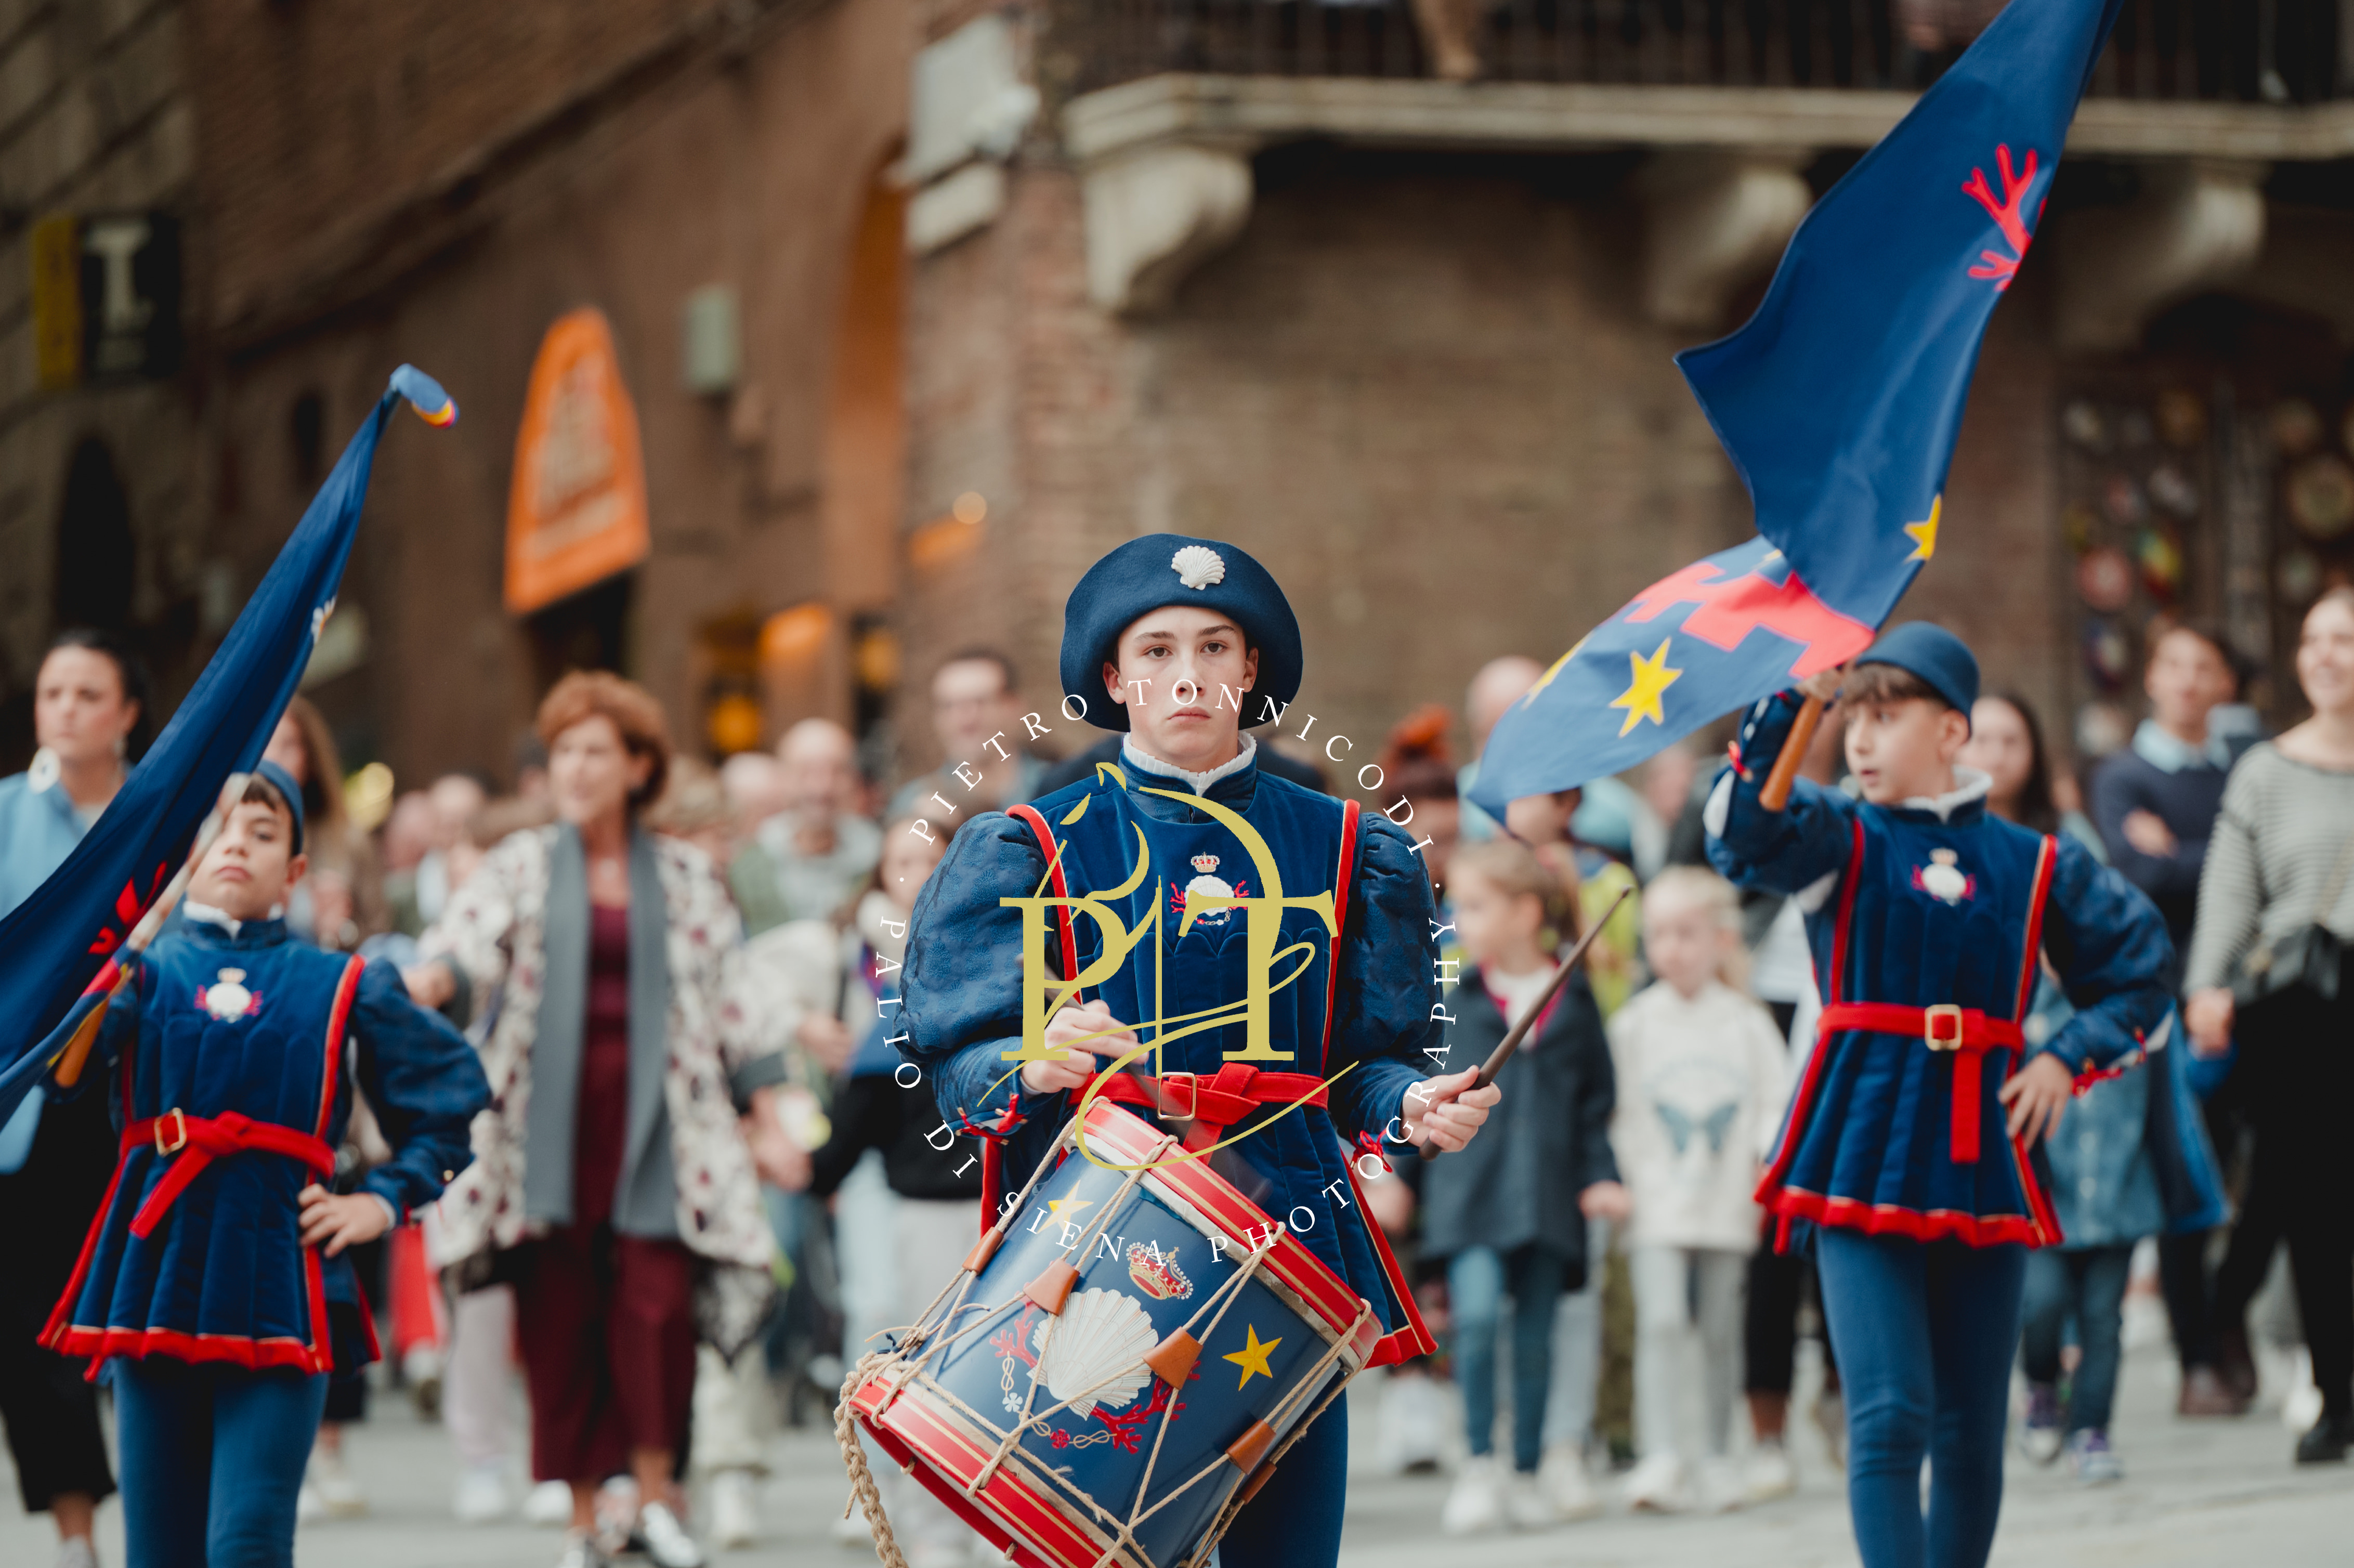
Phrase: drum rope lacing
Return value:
(919, 1345)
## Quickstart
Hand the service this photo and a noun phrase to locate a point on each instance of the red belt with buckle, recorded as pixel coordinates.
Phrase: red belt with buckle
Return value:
(193, 1143)
(1214, 1103)
(1967, 1032)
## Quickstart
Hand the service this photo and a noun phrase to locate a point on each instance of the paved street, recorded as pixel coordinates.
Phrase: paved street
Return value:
(2197, 1493)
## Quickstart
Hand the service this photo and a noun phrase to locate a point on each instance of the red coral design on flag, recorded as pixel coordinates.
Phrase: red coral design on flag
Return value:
(2010, 215)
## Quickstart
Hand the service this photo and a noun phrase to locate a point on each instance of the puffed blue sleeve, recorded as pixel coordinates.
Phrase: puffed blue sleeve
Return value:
(2109, 944)
(1784, 851)
(425, 1085)
(961, 990)
(1385, 1017)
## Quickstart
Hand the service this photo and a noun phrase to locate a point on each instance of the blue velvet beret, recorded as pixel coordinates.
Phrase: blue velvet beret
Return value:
(1941, 659)
(1171, 568)
(281, 784)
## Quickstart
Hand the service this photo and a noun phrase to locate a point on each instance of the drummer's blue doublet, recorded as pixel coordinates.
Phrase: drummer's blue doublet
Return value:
(963, 985)
(1927, 921)
(228, 1085)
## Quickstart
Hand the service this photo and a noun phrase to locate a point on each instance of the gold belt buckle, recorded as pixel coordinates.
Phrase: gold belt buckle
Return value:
(176, 1113)
(1932, 1016)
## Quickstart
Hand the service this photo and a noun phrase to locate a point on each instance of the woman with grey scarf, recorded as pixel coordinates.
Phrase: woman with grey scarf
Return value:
(611, 1184)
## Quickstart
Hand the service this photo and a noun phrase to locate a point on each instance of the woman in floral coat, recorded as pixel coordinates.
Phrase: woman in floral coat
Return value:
(611, 1182)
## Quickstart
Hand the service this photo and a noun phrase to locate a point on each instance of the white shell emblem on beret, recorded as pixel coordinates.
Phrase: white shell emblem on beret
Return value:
(1198, 565)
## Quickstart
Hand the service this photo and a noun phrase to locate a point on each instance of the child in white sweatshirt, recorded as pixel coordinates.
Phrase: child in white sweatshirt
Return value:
(1703, 1075)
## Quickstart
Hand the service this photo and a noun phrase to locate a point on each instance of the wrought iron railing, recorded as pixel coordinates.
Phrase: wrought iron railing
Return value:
(2256, 51)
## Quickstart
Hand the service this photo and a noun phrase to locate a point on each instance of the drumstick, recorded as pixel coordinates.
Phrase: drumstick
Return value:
(1776, 793)
(1519, 1031)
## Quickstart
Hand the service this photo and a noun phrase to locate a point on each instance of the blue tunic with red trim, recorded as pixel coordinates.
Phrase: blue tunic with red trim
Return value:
(1373, 1016)
(1925, 921)
(229, 1086)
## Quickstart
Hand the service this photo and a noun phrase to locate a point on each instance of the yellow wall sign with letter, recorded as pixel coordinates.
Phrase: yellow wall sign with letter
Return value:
(576, 512)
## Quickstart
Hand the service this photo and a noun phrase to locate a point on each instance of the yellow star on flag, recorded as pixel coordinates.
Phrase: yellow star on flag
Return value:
(1252, 1358)
(1652, 677)
(1925, 535)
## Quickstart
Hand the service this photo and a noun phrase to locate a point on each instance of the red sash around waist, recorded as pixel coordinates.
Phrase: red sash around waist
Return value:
(193, 1143)
(1967, 1032)
(1214, 1103)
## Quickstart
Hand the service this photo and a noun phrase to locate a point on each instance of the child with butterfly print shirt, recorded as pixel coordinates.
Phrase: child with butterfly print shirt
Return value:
(1702, 1075)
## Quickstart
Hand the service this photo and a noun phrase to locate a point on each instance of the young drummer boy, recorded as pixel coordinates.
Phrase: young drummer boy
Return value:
(202, 1287)
(1907, 1143)
(1157, 637)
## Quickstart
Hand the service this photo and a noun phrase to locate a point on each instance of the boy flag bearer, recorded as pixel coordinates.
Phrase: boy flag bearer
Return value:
(1171, 640)
(1907, 1144)
(234, 1055)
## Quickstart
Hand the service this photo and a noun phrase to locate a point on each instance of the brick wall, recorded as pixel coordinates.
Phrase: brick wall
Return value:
(1422, 392)
(94, 115)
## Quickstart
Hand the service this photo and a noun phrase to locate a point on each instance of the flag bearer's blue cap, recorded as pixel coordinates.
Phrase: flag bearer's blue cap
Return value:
(1159, 569)
(281, 784)
(1941, 659)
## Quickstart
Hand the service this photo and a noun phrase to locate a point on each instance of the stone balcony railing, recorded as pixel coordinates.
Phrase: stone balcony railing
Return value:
(1162, 104)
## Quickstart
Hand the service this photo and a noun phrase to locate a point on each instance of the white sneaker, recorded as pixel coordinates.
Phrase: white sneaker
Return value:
(1476, 1501)
(1562, 1476)
(481, 1496)
(1527, 1504)
(309, 1508)
(735, 1508)
(580, 1549)
(1769, 1473)
(548, 1503)
(1658, 1486)
(421, 1369)
(1414, 1413)
(616, 1514)
(75, 1551)
(1716, 1486)
(664, 1539)
(339, 1494)
(1830, 1419)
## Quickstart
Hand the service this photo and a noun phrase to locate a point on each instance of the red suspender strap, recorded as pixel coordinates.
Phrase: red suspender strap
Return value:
(1342, 877)
(1846, 923)
(2039, 1204)
(330, 1075)
(993, 1150)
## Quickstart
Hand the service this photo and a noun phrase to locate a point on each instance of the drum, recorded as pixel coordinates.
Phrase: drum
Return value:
(1121, 1363)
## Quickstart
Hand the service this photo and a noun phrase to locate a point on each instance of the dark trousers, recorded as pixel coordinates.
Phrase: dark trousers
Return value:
(1925, 1333)
(45, 1209)
(608, 1332)
(2182, 1279)
(2301, 1087)
(1769, 1318)
(2086, 1285)
(215, 1457)
(1295, 1520)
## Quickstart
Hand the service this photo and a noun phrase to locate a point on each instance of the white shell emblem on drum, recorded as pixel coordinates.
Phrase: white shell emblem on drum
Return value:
(1943, 877)
(1096, 1355)
(228, 999)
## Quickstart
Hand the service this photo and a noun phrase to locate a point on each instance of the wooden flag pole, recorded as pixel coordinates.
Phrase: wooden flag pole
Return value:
(1519, 1031)
(1776, 793)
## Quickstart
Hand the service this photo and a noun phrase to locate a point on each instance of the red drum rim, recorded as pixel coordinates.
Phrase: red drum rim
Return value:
(944, 1459)
(1118, 1134)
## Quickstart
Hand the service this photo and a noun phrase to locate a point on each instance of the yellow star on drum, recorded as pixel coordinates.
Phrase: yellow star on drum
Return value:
(1652, 677)
(1252, 1357)
(1061, 1209)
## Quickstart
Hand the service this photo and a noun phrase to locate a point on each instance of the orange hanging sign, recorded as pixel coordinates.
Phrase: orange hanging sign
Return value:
(577, 514)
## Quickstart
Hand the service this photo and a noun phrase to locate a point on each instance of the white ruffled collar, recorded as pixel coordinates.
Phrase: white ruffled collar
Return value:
(1136, 756)
(1970, 784)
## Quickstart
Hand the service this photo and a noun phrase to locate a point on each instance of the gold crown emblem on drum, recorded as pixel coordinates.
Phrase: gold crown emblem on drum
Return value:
(1156, 1273)
(1205, 864)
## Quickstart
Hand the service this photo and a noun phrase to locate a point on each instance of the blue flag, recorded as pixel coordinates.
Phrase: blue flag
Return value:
(1839, 402)
(58, 949)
